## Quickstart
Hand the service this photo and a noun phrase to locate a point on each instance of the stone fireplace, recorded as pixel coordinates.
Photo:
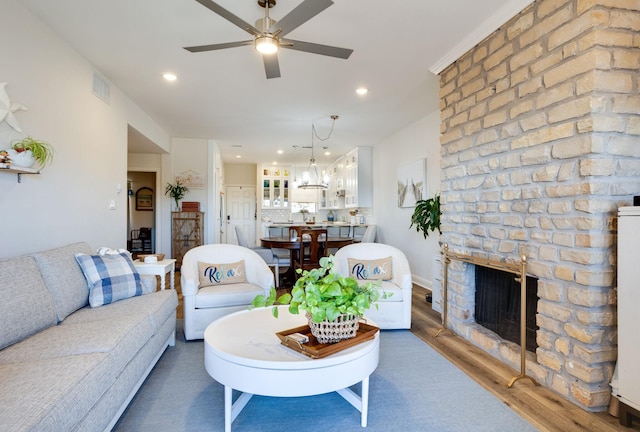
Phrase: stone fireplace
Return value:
(540, 144)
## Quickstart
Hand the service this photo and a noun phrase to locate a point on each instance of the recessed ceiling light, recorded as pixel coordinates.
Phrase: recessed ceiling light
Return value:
(169, 76)
(280, 151)
(327, 153)
(274, 163)
(238, 157)
(362, 91)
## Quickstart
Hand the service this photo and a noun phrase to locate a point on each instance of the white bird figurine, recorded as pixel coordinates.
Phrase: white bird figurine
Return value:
(7, 108)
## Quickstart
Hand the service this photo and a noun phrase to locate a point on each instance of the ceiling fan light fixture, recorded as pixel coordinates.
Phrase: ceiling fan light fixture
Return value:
(266, 44)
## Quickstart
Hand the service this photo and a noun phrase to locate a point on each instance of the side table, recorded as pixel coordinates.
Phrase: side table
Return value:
(160, 268)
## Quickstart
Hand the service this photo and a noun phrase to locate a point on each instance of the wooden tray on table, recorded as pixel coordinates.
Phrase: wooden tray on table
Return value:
(316, 350)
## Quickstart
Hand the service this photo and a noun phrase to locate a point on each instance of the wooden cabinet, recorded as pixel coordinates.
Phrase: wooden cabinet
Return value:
(187, 232)
(275, 187)
(358, 178)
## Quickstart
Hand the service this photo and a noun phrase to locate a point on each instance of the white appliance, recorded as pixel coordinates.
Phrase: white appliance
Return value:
(627, 384)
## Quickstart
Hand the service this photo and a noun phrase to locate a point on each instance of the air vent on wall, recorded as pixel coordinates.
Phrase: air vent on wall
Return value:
(101, 88)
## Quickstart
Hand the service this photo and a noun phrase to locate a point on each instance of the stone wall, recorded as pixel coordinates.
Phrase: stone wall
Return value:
(540, 145)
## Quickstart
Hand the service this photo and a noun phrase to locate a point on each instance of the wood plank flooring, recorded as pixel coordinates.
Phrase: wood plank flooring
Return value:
(542, 407)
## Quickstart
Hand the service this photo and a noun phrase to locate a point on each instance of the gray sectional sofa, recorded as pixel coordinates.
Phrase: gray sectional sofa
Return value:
(65, 366)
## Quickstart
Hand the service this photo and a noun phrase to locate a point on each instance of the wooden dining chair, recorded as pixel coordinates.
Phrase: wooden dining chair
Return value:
(311, 247)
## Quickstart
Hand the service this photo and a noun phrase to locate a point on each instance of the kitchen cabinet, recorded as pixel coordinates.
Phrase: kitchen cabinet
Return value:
(187, 232)
(358, 178)
(333, 196)
(275, 187)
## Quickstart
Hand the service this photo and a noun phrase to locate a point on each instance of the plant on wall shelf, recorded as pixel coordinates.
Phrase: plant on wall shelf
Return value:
(426, 215)
(177, 192)
(41, 151)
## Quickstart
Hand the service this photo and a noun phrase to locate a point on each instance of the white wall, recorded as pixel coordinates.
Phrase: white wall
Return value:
(419, 140)
(69, 200)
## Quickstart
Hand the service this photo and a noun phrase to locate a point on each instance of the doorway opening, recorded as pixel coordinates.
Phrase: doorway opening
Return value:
(141, 211)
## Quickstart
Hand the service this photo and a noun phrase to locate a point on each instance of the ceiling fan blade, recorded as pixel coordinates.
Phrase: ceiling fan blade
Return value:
(271, 66)
(315, 48)
(298, 16)
(215, 7)
(219, 46)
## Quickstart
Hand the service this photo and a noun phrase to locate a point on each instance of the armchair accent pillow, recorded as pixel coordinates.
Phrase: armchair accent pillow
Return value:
(378, 269)
(221, 274)
(109, 277)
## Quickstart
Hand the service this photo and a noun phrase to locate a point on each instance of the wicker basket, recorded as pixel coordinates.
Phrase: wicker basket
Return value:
(344, 327)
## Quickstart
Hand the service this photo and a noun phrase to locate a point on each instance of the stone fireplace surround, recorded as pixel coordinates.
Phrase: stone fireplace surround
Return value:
(540, 144)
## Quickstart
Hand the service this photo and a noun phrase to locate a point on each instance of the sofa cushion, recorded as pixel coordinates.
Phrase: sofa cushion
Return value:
(63, 277)
(221, 274)
(27, 306)
(376, 269)
(109, 277)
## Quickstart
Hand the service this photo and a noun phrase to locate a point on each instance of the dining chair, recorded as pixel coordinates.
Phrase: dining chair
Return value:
(369, 235)
(311, 247)
(266, 254)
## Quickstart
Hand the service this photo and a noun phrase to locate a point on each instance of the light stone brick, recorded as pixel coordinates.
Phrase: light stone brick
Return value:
(530, 87)
(560, 207)
(535, 121)
(495, 119)
(536, 156)
(502, 99)
(549, 324)
(554, 310)
(604, 318)
(520, 76)
(595, 240)
(624, 146)
(547, 62)
(520, 178)
(569, 110)
(547, 173)
(567, 171)
(545, 26)
(563, 239)
(472, 87)
(633, 127)
(625, 19)
(587, 335)
(545, 340)
(587, 297)
(563, 345)
(570, 50)
(477, 111)
(552, 291)
(494, 148)
(585, 257)
(624, 59)
(549, 6)
(577, 26)
(536, 206)
(524, 22)
(604, 81)
(630, 168)
(480, 53)
(485, 93)
(540, 269)
(584, 372)
(498, 57)
(597, 58)
(497, 73)
(577, 146)
(626, 104)
(550, 96)
(526, 56)
(603, 278)
(451, 135)
(564, 273)
(507, 247)
(561, 385)
(469, 75)
(449, 75)
(522, 107)
(542, 136)
(518, 235)
(471, 127)
(502, 85)
(548, 359)
(595, 206)
(459, 119)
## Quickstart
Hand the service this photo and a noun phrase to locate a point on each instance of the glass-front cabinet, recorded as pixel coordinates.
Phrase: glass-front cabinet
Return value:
(358, 178)
(275, 187)
(333, 196)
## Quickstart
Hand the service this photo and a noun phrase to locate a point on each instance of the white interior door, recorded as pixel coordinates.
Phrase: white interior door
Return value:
(241, 211)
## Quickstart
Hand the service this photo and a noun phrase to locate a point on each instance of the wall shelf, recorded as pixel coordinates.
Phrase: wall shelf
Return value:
(17, 170)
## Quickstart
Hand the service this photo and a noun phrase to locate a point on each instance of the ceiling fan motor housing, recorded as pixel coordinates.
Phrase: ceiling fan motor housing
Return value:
(263, 3)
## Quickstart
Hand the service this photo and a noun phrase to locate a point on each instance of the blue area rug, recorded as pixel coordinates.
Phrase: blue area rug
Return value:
(413, 389)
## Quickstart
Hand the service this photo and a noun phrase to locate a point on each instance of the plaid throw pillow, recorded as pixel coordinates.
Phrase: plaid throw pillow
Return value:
(221, 274)
(379, 269)
(109, 277)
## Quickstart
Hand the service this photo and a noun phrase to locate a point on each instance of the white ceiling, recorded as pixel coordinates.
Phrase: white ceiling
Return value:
(224, 95)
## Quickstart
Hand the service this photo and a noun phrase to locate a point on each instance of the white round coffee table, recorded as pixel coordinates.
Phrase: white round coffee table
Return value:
(242, 352)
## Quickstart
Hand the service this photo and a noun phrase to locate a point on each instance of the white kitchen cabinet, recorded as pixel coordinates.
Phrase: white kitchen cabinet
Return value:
(333, 197)
(275, 187)
(628, 367)
(358, 178)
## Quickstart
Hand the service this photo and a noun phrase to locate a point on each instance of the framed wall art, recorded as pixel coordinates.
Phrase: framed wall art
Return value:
(144, 199)
(412, 183)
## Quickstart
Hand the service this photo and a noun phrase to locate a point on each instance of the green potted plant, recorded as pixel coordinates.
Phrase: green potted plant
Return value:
(177, 192)
(426, 215)
(30, 150)
(327, 298)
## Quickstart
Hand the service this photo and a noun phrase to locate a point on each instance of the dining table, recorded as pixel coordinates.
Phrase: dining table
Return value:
(333, 242)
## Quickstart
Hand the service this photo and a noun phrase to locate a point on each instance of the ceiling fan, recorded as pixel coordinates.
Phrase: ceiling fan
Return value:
(268, 35)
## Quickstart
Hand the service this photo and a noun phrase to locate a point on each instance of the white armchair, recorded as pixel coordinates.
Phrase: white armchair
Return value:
(393, 312)
(204, 305)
